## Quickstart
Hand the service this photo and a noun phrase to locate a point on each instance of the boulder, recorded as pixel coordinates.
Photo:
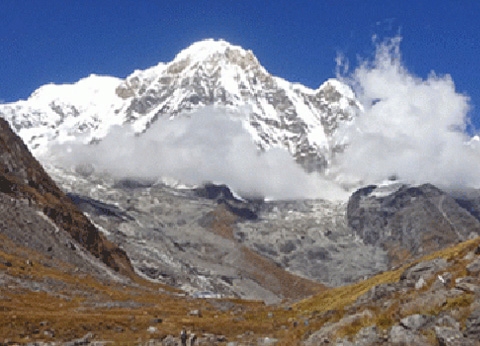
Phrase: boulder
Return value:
(85, 340)
(325, 336)
(472, 325)
(367, 336)
(447, 321)
(400, 336)
(474, 267)
(377, 293)
(424, 270)
(452, 337)
(416, 322)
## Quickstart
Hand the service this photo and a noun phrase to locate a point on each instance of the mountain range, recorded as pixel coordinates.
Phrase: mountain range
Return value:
(275, 112)
(392, 264)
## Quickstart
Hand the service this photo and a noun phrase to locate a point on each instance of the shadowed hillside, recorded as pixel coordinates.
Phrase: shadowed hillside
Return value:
(24, 179)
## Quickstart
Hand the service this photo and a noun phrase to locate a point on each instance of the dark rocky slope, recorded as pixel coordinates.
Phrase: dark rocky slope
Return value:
(26, 189)
(409, 221)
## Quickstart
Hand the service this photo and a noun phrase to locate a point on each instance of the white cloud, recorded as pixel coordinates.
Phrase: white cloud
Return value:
(413, 128)
(208, 145)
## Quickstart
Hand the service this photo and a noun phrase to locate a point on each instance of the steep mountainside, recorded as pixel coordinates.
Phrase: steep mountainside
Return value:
(275, 112)
(197, 238)
(409, 221)
(26, 188)
(186, 238)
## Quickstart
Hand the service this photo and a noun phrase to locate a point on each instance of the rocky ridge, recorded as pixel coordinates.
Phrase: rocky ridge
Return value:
(28, 192)
(410, 221)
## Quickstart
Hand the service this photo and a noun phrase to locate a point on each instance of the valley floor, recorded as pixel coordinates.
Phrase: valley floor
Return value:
(427, 303)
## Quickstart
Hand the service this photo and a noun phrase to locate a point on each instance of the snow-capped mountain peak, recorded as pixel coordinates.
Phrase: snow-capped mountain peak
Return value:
(211, 50)
(207, 73)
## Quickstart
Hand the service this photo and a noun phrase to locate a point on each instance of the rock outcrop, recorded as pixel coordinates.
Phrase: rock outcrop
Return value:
(440, 311)
(409, 221)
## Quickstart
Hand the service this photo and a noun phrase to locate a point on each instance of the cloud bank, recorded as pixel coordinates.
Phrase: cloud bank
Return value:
(208, 145)
(411, 128)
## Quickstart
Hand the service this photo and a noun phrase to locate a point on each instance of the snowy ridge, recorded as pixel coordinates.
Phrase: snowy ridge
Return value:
(277, 113)
(58, 113)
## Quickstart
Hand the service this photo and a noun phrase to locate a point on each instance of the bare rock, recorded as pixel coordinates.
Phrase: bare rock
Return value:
(377, 293)
(325, 336)
(416, 322)
(152, 329)
(452, 337)
(403, 219)
(424, 270)
(420, 283)
(197, 313)
(426, 300)
(85, 340)
(400, 336)
(266, 341)
(442, 281)
(472, 325)
(447, 321)
(170, 341)
(467, 284)
(367, 336)
(24, 179)
(474, 267)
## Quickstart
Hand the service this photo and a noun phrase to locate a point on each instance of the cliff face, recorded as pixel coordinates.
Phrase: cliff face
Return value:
(22, 178)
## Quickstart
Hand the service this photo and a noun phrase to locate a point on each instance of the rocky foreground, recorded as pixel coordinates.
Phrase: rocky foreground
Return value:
(434, 301)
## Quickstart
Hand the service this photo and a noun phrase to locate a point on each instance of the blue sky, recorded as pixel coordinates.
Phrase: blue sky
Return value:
(61, 41)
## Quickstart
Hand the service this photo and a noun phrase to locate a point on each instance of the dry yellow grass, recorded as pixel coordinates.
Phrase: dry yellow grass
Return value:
(336, 300)
(26, 315)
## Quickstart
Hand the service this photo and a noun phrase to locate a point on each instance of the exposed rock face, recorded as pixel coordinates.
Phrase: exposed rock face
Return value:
(469, 199)
(176, 237)
(24, 180)
(409, 221)
(452, 337)
(311, 238)
(203, 240)
(223, 195)
(472, 325)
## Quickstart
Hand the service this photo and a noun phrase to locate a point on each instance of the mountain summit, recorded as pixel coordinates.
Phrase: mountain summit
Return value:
(277, 113)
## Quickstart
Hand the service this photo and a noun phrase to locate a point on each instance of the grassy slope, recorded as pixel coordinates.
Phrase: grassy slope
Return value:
(25, 314)
(332, 305)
